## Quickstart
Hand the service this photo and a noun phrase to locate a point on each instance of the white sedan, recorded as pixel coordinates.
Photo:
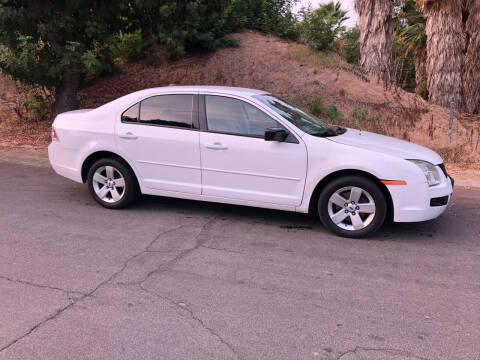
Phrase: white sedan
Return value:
(246, 147)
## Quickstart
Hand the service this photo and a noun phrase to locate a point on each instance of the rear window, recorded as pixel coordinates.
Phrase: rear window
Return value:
(162, 110)
(167, 110)
(131, 115)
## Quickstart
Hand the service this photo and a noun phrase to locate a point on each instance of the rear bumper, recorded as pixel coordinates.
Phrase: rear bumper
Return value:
(63, 161)
(420, 202)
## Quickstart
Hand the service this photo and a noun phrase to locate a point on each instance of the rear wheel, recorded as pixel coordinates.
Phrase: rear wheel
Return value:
(352, 206)
(112, 184)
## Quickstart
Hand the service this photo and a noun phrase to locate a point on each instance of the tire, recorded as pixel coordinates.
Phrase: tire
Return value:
(106, 189)
(359, 219)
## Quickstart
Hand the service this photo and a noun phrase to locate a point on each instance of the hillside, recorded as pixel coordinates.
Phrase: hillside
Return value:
(286, 69)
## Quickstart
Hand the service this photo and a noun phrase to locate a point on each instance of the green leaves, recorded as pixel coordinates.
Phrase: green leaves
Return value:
(40, 42)
(29, 61)
(319, 27)
(56, 43)
(269, 16)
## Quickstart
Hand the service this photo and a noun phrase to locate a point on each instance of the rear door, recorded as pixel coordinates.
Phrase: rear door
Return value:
(160, 136)
(237, 163)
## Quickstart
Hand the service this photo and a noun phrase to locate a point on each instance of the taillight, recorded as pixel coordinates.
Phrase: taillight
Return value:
(54, 135)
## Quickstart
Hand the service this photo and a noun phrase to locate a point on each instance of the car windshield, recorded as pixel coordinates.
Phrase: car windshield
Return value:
(304, 121)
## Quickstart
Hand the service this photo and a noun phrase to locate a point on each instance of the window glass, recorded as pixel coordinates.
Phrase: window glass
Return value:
(234, 116)
(307, 122)
(131, 115)
(258, 121)
(168, 110)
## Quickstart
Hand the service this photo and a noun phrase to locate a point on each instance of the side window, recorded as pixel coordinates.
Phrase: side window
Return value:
(233, 116)
(258, 121)
(131, 115)
(167, 110)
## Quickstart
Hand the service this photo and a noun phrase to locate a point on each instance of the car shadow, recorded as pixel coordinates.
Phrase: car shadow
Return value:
(428, 232)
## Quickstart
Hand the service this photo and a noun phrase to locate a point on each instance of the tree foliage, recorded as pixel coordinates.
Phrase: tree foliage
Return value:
(43, 39)
(319, 27)
(351, 46)
(56, 43)
(52, 43)
(410, 47)
(269, 16)
(183, 26)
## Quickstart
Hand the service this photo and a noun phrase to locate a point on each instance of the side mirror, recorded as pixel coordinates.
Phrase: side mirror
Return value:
(276, 134)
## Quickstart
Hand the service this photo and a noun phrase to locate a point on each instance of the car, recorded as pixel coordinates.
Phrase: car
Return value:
(246, 147)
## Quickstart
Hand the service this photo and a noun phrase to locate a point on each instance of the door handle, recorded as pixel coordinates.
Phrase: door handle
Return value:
(128, 136)
(216, 146)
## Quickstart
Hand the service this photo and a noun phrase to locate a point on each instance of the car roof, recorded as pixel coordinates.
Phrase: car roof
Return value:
(207, 89)
(129, 99)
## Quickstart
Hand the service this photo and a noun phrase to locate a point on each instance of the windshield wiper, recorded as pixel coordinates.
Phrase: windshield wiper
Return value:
(340, 130)
(325, 133)
(332, 130)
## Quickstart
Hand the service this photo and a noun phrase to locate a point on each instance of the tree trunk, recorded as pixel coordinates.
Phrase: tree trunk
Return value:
(66, 92)
(444, 51)
(471, 75)
(376, 38)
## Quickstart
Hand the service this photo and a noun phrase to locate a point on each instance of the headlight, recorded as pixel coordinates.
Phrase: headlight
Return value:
(429, 170)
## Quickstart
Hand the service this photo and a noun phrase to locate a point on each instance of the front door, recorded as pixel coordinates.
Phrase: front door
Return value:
(160, 136)
(237, 163)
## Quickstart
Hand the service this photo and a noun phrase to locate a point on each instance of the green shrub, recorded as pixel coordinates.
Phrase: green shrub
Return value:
(319, 27)
(333, 114)
(35, 103)
(315, 105)
(131, 46)
(359, 115)
(268, 16)
(351, 46)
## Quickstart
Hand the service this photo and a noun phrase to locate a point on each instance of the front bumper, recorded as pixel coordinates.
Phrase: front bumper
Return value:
(420, 202)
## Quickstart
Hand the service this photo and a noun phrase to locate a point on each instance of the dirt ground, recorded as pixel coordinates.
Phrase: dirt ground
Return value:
(285, 69)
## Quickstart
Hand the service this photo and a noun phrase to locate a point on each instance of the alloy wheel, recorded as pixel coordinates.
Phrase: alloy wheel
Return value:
(108, 184)
(351, 208)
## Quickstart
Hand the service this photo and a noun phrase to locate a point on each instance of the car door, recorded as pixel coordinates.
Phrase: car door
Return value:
(237, 163)
(160, 135)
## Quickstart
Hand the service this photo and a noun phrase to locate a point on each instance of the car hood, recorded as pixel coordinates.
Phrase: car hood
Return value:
(387, 145)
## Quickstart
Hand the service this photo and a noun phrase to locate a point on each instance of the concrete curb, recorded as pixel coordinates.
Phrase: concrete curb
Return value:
(467, 184)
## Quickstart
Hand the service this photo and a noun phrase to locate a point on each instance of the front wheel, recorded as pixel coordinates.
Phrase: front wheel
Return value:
(112, 184)
(352, 206)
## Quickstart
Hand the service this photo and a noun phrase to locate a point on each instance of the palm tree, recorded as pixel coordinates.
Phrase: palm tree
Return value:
(319, 27)
(334, 15)
(444, 50)
(471, 75)
(414, 38)
(376, 38)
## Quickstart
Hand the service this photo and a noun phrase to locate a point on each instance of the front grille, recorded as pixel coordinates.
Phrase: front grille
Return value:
(439, 201)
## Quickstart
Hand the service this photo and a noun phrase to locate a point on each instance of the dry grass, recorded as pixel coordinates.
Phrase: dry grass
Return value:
(304, 54)
(16, 131)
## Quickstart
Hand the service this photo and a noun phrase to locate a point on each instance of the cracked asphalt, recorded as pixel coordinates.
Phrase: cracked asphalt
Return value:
(177, 279)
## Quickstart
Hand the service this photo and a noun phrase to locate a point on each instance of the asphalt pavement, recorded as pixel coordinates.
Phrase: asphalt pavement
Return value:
(176, 279)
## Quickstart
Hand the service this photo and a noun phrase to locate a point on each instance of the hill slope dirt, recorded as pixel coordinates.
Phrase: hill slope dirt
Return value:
(290, 70)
